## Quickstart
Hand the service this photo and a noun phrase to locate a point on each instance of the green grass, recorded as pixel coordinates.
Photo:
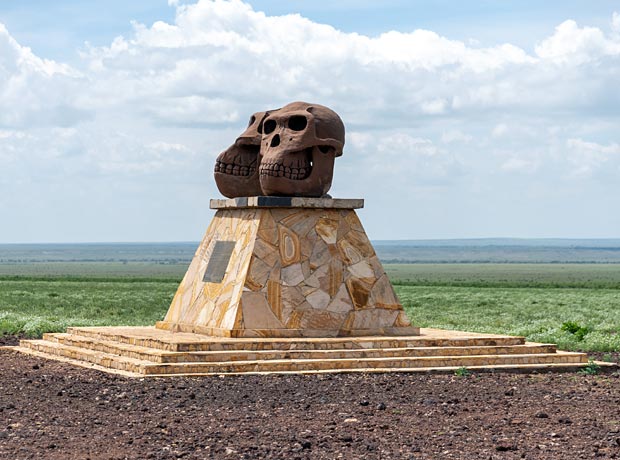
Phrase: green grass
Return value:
(536, 313)
(34, 307)
(576, 306)
(507, 275)
(115, 270)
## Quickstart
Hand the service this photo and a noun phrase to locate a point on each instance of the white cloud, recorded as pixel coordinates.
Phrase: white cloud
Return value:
(434, 107)
(455, 135)
(615, 22)
(499, 130)
(33, 89)
(159, 103)
(588, 158)
(573, 45)
(523, 165)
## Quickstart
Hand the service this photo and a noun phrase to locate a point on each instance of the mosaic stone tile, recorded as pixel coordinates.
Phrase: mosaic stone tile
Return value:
(320, 255)
(382, 294)
(327, 229)
(292, 275)
(359, 293)
(363, 270)
(290, 247)
(319, 299)
(292, 295)
(258, 275)
(257, 314)
(293, 272)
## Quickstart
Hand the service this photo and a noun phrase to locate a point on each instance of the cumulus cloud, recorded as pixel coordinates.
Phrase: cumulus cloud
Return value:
(160, 102)
(33, 90)
(587, 158)
(573, 45)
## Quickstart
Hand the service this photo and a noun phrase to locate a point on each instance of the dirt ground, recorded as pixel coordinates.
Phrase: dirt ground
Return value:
(52, 410)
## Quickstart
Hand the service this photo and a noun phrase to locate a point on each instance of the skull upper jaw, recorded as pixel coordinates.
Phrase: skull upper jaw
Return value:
(237, 171)
(316, 184)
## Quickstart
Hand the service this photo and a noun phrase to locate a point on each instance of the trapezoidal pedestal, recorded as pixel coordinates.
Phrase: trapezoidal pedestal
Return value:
(286, 267)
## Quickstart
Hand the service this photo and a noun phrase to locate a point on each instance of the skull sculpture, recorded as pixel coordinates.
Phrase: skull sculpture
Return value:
(299, 145)
(236, 168)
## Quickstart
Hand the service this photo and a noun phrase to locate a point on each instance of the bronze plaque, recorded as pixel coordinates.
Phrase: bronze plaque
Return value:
(218, 262)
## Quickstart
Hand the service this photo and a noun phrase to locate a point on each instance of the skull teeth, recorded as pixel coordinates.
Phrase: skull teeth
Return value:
(279, 170)
(233, 169)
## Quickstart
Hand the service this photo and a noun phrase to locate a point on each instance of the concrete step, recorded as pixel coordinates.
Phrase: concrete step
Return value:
(163, 356)
(184, 342)
(145, 367)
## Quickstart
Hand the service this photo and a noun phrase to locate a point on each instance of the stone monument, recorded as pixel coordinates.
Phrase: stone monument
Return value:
(286, 280)
(292, 262)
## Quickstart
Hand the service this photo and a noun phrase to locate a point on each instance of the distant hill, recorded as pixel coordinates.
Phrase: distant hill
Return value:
(484, 250)
(520, 242)
(500, 250)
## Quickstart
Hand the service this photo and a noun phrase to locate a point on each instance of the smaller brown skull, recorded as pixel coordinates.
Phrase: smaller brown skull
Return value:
(236, 168)
(299, 145)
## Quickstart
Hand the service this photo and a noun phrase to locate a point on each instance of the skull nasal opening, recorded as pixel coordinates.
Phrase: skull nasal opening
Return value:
(275, 141)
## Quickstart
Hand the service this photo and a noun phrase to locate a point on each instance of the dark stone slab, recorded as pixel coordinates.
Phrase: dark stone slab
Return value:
(218, 262)
(287, 202)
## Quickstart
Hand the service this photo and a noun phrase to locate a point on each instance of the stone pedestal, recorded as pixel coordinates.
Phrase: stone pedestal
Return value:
(286, 267)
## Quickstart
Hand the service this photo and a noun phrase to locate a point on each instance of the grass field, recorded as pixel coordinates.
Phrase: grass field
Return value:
(589, 276)
(114, 270)
(32, 307)
(534, 300)
(536, 313)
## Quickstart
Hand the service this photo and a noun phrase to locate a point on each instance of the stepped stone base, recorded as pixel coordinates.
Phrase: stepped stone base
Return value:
(148, 351)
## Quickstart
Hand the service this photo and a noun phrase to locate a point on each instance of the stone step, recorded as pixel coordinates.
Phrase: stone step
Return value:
(163, 356)
(105, 360)
(514, 368)
(183, 342)
(145, 367)
(303, 365)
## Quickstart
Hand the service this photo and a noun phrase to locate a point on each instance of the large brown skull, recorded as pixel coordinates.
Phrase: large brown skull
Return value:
(299, 145)
(236, 168)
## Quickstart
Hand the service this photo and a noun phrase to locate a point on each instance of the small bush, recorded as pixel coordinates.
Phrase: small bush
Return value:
(462, 372)
(591, 368)
(576, 329)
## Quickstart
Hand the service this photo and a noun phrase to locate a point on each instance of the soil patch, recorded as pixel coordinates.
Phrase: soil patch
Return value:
(56, 411)
(10, 340)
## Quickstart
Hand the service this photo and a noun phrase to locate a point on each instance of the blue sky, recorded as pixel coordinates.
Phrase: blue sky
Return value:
(464, 119)
(57, 29)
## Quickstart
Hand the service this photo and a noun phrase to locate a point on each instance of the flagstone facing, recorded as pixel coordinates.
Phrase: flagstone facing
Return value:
(295, 271)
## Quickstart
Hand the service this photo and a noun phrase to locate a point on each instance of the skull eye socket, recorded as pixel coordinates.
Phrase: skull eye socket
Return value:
(269, 126)
(297, 123)
(252, 120)
(324, 148)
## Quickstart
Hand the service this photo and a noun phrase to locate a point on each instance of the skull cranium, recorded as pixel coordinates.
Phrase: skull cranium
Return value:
(236, 168)
(300, 142)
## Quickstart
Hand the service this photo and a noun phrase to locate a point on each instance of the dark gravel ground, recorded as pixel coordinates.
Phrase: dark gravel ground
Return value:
(52, 410)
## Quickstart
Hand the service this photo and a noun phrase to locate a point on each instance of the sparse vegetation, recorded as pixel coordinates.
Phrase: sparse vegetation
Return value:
(576, 306)
(535, 313)
(573, 328)
(462, 372)
(591, 368)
